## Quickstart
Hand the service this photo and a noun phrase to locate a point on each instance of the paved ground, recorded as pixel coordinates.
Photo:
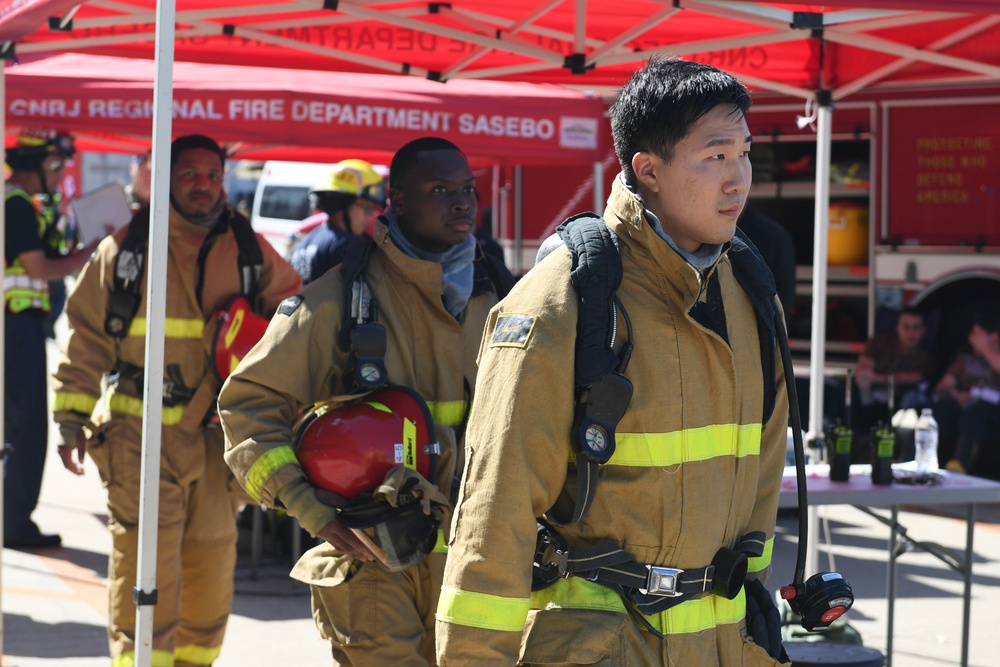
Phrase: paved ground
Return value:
(54, 602)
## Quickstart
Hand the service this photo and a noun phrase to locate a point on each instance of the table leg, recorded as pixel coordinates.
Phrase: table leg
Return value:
(970, 527)
(891, 593)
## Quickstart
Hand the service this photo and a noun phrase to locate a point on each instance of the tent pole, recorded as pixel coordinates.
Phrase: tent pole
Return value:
(495, 202)
(145, 592)
(599, 202)
(817, 357)
(518, 221)
(3, 340)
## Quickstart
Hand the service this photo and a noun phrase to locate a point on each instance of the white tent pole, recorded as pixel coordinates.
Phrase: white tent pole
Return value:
(3, 334)
(156, 289)
(817, 357)
(518, 221)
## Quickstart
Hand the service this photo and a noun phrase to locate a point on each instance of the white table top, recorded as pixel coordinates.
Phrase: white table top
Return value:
(859, 490)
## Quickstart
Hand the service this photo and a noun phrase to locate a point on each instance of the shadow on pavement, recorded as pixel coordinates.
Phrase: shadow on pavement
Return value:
(868, 575)
(63, 640)
(270, 594)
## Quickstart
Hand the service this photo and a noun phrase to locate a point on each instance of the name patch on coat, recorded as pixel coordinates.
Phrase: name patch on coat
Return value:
(512, 331)
(288, 306)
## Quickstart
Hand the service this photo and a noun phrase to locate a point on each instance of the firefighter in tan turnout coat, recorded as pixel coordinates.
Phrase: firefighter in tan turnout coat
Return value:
(430, 284)
(198, 501)
(699, 452)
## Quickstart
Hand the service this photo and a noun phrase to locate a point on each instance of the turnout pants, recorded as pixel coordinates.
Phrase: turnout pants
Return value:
(372, 617)
(196, 543)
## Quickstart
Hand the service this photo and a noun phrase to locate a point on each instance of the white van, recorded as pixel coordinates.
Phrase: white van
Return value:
(281, 200)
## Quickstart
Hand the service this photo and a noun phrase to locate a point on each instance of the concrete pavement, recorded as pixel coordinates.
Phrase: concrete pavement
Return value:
(54, 601)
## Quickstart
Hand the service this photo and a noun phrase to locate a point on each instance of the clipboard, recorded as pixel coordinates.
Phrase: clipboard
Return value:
(97, 209)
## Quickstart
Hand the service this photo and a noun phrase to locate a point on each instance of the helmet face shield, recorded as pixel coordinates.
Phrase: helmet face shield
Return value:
(399, 537)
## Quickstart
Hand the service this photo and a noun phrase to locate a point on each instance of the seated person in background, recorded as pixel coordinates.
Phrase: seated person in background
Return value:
(967, 406)
(348, 197)
(902, 357)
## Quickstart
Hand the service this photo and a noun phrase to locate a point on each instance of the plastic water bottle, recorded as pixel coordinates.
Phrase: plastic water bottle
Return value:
(925, 439)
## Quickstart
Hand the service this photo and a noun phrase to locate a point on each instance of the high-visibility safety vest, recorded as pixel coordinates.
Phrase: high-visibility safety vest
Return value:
(20, 291)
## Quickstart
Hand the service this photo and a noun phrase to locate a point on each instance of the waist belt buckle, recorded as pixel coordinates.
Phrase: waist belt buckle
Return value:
(662, 581)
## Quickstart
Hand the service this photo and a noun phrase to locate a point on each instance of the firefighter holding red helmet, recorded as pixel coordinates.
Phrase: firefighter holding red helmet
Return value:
(212, 255)
(357, 397)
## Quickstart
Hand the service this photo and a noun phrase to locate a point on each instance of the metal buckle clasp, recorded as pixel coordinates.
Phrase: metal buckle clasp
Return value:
(662, 581)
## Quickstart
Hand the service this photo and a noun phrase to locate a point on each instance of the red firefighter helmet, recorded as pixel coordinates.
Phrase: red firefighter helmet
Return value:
(349, 449)
(238, 329)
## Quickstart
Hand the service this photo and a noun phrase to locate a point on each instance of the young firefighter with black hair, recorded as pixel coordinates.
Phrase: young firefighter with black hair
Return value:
(403, 316)
(576, 542)
(214, 260)
(36, 163)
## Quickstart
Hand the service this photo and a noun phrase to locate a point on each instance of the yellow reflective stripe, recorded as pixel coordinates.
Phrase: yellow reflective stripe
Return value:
(653, 450)
(577, 593)
(265, 466)
(381, 407)
(440, 546)
(173, 327)
(22, 292)
(159, 659)
(762, 562)
(234, 328)
(479, 610)
(132, 406)
(447, 413)
(410, 444)
(700, 614)
(19, 301)
(689, 616)
(75, 402)
(197, 655)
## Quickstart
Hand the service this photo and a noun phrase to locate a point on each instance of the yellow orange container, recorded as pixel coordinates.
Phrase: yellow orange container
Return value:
(847, 240)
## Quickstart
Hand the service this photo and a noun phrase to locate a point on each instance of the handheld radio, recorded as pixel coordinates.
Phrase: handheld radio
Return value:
(840, 440)
(883, 445)
(824, 597)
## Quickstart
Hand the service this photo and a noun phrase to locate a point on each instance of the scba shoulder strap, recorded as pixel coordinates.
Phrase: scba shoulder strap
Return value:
(361, 334)
(130, 265)
(602, 390)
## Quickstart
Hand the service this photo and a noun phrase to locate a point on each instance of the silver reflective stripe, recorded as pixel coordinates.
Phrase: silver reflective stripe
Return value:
(23, 281)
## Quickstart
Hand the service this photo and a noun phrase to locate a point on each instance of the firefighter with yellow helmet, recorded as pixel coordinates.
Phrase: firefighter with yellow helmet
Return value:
(36, 162)
(404, 309)
(219, 272)
(348, 198)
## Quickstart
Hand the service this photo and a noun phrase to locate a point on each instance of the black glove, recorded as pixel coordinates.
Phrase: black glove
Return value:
(764, 621)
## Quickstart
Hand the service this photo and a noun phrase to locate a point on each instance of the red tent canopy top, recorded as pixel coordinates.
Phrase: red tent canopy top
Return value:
(794, 49)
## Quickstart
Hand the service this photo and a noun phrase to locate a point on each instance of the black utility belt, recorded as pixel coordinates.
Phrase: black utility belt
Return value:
(175, 392)
(650, 588)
